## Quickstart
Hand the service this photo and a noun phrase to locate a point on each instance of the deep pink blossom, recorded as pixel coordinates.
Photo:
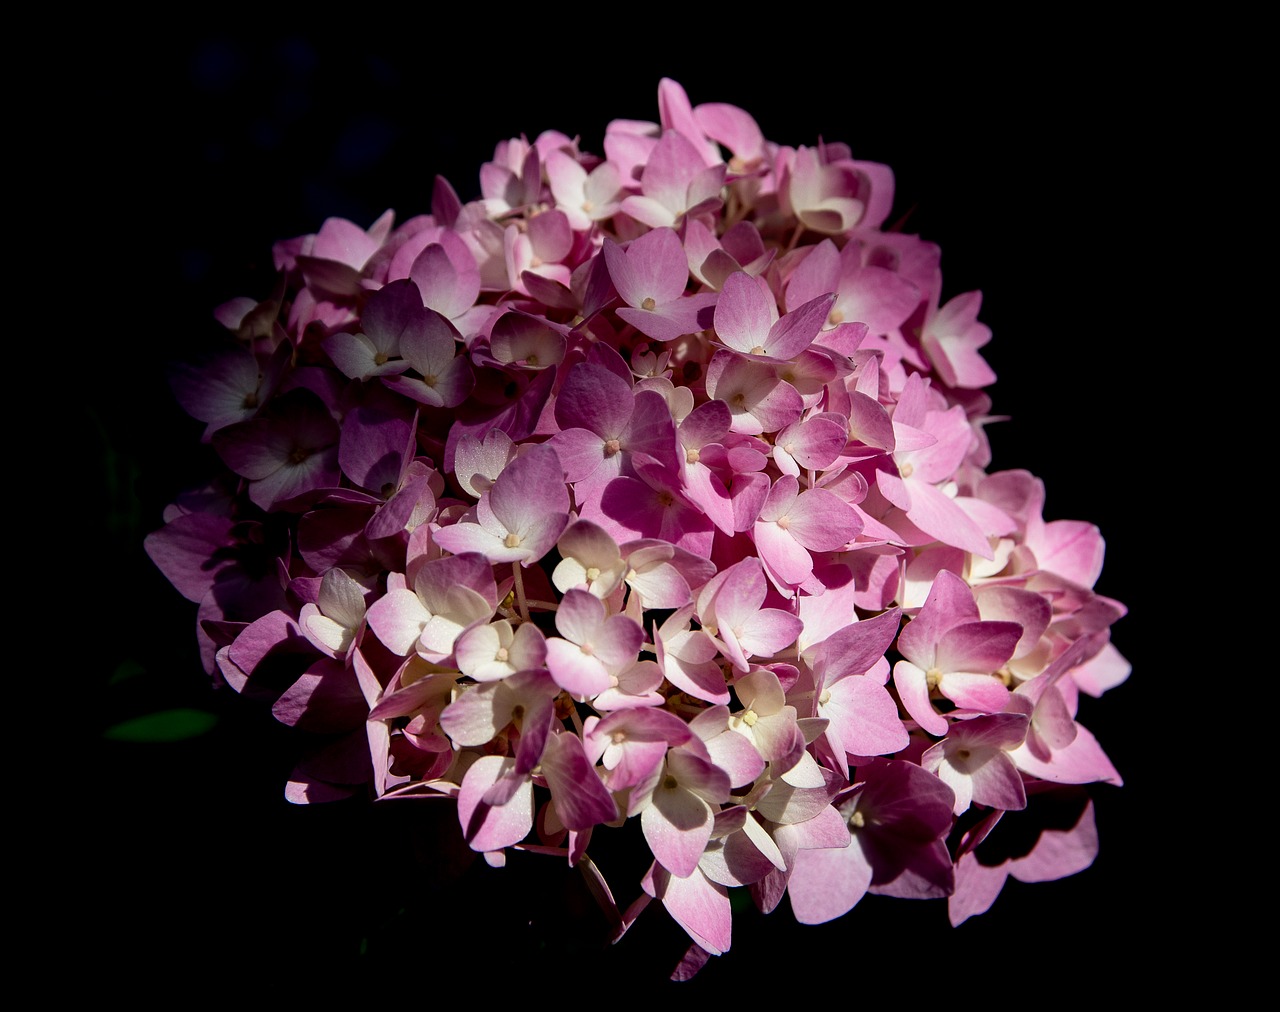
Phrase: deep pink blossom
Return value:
(618, 495)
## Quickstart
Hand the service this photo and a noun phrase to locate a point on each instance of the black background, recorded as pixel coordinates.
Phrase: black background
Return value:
(1037, 170)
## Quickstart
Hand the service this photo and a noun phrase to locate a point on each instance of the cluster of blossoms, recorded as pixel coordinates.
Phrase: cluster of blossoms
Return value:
(650, 490)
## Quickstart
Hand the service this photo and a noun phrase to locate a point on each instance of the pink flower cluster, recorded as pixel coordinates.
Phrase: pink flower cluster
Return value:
(649, 492)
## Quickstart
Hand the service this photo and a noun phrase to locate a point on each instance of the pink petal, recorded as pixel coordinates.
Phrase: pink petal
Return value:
(488, 827)
(581, 800)
(826, 884)
(677, 825)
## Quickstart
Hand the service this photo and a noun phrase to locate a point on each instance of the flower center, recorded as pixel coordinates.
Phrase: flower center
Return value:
(692, 456)
(502, 654)
(932, 677)
(299, 455)
(648, 303)
(512, 540)
(380, 358)
(856, 820)
(593, 573)
(835, 317)
(750, 717)
(758, 349)
(825, 698)
(906, 470)
(611, 447)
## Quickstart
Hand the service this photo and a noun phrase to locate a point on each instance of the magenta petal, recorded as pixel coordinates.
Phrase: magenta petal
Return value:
(937, 514)
(581, 800)
(283, 489)
(677, 825)
(826, 884)
(700, 907)
(977, 886)
(445, 287)
(795, 332)
(1081, 762)
(949, 603)
(397, 619)
(983, 693)
(1060, 852)
(997, 731)
(376, 446)
(651, 430)
(687, 659)
(582, 455)
(293, 428)
(538, 717)
(651, 267)
(577, 672)
(531, 488)
(326, 700)
(191, 550)
(745, 312)
(392, 311)
(789, 562)
(998, 784)
(707, 423)
(855, 648)
(746, 498)
(1071, 548)
(594, 398)
(913, 690)
(489, 827)
(865, 717)
(977, 646)
(821, 521)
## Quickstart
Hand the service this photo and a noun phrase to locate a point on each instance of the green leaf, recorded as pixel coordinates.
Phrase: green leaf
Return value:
(126, 670)
(166, 725)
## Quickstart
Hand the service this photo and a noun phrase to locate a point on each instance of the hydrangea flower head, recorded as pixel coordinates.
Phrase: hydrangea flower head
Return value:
(645, 496)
